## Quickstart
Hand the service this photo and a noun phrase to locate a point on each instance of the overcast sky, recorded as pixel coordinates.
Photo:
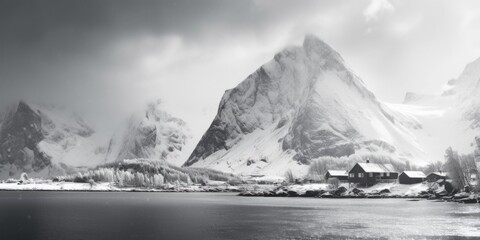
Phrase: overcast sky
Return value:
(106, 59)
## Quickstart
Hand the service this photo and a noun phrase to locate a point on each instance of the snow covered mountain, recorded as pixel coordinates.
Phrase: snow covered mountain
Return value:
(154, 135)
(451, 119)
(44, 140)
(466, 90)
(303, 104)
(47, 141)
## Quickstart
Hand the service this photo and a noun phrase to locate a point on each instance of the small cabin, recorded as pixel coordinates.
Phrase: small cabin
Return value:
(411, 177)
(435, 176)
(341, 175)
(371, 173)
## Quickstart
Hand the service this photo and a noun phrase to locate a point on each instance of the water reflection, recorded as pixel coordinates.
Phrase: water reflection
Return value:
(75, 215)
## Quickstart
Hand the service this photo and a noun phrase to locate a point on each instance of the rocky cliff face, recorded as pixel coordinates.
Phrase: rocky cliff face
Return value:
(20, 135)
(37, 138)
(46, 140)
(156, 135)
(304, 104)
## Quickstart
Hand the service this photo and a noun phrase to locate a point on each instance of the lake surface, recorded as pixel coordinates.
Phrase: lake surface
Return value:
(123, 215)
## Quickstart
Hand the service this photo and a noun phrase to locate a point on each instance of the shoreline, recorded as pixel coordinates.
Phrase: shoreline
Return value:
(120, 190)
(382, 191)
(414, 192)
(109, 187)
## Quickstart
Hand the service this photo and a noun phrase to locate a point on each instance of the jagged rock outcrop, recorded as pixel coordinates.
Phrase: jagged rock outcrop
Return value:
(156, 135)
(43, 139)
(20, 135)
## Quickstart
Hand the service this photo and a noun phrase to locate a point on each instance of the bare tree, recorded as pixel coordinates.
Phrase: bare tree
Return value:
(289, 176)
(454, 169)
(91, 182)
(434, 167)
(407, 166)
(467, 162)
(318, 167)
(476, 156)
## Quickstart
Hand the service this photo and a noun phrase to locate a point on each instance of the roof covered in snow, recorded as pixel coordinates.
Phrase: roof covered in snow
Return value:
(343, 173)
(441, 174)
(377, 167)
(415, 174)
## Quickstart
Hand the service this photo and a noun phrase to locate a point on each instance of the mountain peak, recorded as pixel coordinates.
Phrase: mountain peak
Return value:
(22, 103)
(304, 104)
(318, 49)
(312, 41)
(157, 135)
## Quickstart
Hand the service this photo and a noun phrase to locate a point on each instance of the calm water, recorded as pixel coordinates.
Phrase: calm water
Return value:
(79, 215)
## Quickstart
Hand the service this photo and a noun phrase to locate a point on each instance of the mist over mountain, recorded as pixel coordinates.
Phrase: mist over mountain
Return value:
(304, 104)
(157, 135)
(307, 103)
(45, 140)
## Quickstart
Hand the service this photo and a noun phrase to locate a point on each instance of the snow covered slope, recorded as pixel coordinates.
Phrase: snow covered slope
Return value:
(155, 135)
(41, 139)
(451, 119)
(46, 141)
(303, 104)
(466, 92)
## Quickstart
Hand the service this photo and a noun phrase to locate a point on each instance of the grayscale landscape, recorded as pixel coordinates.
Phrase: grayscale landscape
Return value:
(239, 119)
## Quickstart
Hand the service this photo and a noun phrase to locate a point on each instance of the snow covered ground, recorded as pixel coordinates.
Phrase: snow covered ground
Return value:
(59, 186)
(398, 189)
(47, 185)
(394, 188)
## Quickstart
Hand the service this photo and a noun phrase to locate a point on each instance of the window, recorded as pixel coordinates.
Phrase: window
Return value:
(381, 174)
(370, 174)
(360, 175)
(352, 175)
(388, 174)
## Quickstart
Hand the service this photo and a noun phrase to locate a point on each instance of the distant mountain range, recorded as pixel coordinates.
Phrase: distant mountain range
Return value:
(46, 141)
(304, 104)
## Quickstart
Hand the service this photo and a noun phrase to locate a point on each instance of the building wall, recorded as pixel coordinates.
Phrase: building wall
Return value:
(404, 179)
(434, 178)
(341, 178)
(368, 178)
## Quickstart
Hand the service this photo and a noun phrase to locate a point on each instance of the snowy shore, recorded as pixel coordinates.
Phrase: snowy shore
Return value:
(318, 190)
(383, 190)
(109, 187)
(300, 190)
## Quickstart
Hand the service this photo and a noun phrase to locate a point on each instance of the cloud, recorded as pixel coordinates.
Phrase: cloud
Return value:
(106, 58)
(373, 10)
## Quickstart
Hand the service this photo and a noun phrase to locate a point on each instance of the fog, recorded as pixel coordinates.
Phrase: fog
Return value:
(106, 59)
